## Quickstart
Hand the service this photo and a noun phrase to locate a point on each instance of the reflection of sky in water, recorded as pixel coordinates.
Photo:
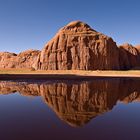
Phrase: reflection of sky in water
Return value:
(23, 117)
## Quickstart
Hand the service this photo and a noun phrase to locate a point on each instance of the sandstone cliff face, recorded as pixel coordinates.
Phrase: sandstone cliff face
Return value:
(138, 47)
(129, 57)
(7, 60)
(77, 46)
(79, 102)
(27, 59)
(24, 59)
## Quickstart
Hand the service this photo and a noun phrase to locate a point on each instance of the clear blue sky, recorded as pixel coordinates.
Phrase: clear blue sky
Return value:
(29, 24)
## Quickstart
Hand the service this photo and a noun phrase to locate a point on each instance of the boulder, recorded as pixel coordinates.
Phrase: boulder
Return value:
(78, 47)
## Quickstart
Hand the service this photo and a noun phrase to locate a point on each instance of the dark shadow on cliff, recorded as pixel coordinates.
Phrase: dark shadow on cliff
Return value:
(128, 60)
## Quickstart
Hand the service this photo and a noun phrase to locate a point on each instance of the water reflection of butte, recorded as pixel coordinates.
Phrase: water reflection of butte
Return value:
(77, 103)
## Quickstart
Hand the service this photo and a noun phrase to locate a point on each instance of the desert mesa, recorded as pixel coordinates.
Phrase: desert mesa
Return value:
(76, 46)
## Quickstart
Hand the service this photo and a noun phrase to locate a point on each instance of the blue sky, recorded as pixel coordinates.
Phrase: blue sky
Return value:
(29, 24)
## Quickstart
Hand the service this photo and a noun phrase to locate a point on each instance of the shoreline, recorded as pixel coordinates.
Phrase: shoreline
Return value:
(63, 77)
(25, 74)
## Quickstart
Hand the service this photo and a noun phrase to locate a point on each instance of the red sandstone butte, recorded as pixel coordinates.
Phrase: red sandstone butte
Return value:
(76, 46)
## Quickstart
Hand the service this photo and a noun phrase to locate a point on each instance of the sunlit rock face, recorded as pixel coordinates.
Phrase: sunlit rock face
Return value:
(7, 60)
(23, 60)
(27, 59)
(129, 57)
(78, 47)
(76, 103)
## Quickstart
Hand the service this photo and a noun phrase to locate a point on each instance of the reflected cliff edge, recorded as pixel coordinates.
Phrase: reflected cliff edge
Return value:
(76, 103)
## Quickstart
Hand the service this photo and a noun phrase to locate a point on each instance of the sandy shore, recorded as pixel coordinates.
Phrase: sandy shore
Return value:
(65, 74)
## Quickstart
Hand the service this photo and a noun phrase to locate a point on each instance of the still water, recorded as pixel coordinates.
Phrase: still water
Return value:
(105, 109)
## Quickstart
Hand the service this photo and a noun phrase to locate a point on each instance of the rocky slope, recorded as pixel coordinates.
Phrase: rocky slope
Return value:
(76, 46)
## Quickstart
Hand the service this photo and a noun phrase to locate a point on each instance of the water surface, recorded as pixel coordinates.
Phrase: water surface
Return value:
(105, 109)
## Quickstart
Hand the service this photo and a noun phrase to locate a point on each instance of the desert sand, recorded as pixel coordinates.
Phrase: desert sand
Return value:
(13, 74)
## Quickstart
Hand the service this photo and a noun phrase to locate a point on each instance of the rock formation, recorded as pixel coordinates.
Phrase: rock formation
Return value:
(7, 60)
(77, 103)
(26, 59)
(138, 47)
(76, 46)
(129, 57)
